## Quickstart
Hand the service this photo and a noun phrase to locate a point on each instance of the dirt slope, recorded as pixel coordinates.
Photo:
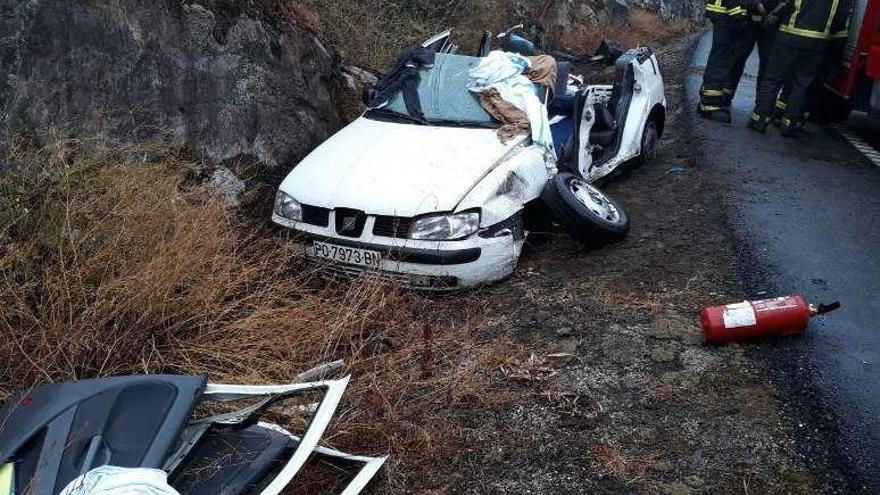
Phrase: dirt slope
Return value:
(621, 395)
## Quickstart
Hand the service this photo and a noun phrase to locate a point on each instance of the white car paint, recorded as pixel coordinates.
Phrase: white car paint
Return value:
(407, 170)
(647, 93)
(417, 169)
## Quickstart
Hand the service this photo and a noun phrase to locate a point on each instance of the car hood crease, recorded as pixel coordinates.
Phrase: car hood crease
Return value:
(388, 168)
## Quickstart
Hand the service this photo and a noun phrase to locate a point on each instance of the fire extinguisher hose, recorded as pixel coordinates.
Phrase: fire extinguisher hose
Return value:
(824, 308)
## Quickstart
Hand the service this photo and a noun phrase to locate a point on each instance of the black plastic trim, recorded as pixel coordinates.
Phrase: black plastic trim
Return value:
(514, 224)
(315, 215)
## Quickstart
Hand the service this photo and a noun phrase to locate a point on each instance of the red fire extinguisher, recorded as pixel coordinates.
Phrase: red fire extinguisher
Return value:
(753, 319)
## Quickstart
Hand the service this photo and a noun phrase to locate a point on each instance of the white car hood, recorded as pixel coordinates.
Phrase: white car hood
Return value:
(387, 168)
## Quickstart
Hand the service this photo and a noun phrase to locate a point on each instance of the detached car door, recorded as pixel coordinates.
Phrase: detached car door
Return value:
(51, 434)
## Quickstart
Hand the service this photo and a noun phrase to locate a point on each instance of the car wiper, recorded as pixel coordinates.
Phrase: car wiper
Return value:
(464, 123)
(391, 114)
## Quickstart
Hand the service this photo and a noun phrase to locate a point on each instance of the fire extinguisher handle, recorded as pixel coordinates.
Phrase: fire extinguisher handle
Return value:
(827, 308)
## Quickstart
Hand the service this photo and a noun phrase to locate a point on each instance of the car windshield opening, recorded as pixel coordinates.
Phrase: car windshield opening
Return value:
(443, 95)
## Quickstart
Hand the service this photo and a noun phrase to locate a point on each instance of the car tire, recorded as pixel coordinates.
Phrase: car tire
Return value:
(585, 212)
(648, 143)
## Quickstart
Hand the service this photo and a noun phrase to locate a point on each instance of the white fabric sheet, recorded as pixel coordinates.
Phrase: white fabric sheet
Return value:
(503, 71)
(112, 480)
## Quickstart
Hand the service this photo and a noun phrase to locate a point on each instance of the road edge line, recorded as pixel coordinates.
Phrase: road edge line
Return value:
(858, 143)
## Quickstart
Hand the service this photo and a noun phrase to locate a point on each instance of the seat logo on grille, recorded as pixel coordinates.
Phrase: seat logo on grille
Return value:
(348, 224)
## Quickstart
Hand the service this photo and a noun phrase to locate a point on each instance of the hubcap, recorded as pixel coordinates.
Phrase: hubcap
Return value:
(594, 200)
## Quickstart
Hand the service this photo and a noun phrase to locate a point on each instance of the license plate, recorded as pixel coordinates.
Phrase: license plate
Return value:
(343, 254)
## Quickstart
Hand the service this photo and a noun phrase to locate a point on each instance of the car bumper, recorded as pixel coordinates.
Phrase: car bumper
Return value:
(431, 265)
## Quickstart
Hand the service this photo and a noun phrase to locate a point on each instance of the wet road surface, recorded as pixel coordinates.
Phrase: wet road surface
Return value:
(806, 213)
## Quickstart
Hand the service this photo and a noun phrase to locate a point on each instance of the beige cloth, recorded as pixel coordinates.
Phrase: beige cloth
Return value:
(514, 121)
(542, 71)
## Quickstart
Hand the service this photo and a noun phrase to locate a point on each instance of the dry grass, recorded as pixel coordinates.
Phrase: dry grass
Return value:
(111, 266)
(644, 28)
(613, 462)
(371, 33)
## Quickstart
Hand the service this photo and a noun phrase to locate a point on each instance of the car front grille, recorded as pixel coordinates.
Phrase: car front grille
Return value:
(387, 226)
(350, 223)
(315, 215)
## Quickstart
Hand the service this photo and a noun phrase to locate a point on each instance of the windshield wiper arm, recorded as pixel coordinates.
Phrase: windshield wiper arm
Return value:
(464, 123)
(392, 114)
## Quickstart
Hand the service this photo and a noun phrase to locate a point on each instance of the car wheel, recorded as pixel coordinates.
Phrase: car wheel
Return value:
(648, 144)
(585, 212)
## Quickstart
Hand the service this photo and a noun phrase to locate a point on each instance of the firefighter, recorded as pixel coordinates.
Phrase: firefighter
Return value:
(729, 18)
(797, 58)
(761, 31)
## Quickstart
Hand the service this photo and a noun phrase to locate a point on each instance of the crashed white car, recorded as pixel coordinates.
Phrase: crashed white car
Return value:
(440, 203)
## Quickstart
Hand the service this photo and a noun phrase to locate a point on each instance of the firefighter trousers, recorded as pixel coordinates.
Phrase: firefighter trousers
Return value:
(795, 68)
(752, 35)
(718, 67)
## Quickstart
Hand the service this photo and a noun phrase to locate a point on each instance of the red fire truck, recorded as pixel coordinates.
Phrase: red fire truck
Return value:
(854, 80)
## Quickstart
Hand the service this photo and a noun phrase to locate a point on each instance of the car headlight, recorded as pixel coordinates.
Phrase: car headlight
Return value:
(287, 207)
(445, 227)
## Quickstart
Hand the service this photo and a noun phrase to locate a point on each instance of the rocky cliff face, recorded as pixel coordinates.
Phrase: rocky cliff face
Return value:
(594, 13)
(219, 76)
(670, 10)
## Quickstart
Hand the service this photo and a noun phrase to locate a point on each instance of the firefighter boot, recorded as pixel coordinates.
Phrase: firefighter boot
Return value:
(778, 112)
(789, 128)
(758, 123)
(728, 98)
(714, 113)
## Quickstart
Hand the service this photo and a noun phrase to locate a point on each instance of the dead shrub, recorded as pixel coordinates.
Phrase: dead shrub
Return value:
(371, 33)
(643, 28)
(111, 266)
(612, 461)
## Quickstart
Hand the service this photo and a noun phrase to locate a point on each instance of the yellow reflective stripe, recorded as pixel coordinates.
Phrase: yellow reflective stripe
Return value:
(825, 34)
(712, 92)
(710, 108)
(786, 121)
(7, 479)
(781, 105)
(806, 33)
(795, 14)
(716, 8)
(834, 5)
(759, 118)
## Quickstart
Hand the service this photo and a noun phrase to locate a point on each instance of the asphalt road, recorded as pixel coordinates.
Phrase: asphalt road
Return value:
(806, 216)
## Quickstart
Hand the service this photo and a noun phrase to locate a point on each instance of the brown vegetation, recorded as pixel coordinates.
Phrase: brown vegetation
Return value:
(644, 28)
(370, 33)
(110, 265)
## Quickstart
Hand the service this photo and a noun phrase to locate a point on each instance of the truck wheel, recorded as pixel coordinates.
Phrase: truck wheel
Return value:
(590, 216)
